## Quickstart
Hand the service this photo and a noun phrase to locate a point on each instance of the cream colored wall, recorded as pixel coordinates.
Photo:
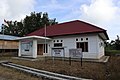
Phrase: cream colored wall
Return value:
(4, 44)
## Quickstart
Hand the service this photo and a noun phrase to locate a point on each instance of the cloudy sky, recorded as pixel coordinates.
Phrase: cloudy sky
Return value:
(103, 13)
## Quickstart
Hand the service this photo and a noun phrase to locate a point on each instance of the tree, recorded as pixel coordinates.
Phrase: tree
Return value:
(36, 21)
(117, 43)
(28, 24)
(14, 28)
(114, 44)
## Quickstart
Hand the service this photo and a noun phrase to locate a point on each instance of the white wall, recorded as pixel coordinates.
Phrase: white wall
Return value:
(34, 52)
(69, 42)
(95, 46)
(24, 46)
(101, 46)
(28, 48)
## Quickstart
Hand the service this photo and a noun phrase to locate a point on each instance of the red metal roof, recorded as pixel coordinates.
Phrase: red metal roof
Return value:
(68, 28)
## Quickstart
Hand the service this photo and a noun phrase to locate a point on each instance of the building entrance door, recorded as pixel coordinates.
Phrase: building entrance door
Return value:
(40, 49)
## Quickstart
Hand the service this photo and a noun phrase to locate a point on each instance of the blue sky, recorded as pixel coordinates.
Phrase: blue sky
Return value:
(103, 13)
(61, 9)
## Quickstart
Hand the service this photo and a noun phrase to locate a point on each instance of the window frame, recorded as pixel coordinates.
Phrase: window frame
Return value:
(60, 44)
(84, 47)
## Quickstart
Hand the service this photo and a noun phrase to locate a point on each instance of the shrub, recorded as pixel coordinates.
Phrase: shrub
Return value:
(112, 52)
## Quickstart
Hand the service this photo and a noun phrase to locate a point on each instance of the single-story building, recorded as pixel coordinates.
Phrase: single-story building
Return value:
(8, 43)
(61, 37)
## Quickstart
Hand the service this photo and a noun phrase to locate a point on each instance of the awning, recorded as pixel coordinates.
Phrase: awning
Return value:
(33, 37)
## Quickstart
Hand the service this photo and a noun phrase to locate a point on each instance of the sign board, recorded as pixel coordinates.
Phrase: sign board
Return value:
(75, 53)
(58, 52)
(26, 46)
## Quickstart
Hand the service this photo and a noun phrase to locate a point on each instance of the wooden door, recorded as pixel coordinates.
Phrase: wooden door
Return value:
(40, 49)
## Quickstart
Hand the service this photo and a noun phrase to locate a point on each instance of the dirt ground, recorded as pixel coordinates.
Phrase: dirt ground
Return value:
(90, 70)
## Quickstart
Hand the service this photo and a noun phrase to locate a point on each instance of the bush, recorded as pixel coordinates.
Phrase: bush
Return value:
(112, 52)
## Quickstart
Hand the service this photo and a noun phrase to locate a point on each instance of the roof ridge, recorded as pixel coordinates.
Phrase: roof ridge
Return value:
(79, 21)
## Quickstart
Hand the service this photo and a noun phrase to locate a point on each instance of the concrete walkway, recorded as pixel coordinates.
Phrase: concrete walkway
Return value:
(103, 59)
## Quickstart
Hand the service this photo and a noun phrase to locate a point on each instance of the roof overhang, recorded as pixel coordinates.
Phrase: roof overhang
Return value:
(33, 37)
(104, 35)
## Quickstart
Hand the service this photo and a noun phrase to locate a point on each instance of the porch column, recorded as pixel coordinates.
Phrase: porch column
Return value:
(19, 53)
(34, 48)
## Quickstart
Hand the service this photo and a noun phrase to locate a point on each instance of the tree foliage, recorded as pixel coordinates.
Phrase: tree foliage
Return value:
(28, 24)
(114, 44)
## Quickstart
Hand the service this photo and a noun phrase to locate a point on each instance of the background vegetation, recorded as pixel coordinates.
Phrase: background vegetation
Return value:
(28, 24)
(113, 47)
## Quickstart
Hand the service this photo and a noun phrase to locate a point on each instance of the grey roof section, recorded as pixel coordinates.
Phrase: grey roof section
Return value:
(7, 37)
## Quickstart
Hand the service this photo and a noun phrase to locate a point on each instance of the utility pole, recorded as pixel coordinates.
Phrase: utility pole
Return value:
(45, 43)
(3, 38)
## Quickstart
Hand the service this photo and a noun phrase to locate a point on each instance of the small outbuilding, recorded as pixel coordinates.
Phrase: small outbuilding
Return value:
(60, 38)
(8, 43)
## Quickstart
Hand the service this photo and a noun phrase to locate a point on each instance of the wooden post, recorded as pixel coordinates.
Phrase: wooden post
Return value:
(63, 58)
(69, 60)
(45, 59)
(81, 61)
(53, 59)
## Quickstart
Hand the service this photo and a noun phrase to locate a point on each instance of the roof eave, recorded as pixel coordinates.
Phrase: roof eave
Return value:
(33, 37)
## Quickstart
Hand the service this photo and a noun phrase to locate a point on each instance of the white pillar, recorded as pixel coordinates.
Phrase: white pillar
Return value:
(19, 53)
(34, 48)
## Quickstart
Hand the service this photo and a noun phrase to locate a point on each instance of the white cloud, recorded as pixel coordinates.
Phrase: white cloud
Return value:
(15, 9)
(3, 8)
(103, 13)
(99, 11)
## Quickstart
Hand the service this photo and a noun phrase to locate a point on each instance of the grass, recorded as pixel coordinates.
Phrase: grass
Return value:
(93, 70)
(114, 67)
(96, 71)
(64, 68)
(112, 52)
(12, 74)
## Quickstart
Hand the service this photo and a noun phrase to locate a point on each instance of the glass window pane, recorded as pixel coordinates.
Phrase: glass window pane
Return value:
(57, 44)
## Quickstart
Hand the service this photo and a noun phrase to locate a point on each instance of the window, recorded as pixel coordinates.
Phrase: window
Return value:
(57, 44)
(61, 40)
(86, 38)
(46, 48)
(76, 39)
(54, 41)
(83, 45)
(57, 40)
(81, 39)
